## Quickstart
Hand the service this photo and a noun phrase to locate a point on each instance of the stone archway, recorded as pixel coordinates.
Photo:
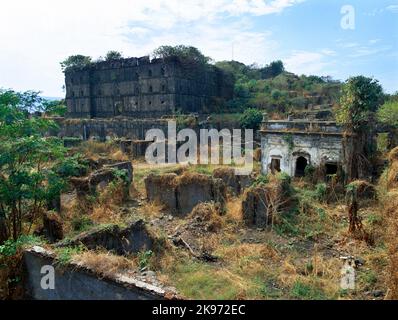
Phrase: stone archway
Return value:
(301, 164)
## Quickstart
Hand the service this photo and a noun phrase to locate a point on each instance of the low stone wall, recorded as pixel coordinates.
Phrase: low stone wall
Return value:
(180, 194)
(75, 282)
(102, 129)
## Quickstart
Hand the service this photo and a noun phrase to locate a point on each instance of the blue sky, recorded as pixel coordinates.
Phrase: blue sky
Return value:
(306, 34)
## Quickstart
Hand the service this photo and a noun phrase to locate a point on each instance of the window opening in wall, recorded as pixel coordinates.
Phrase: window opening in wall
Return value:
(330, 169)
(275, 165)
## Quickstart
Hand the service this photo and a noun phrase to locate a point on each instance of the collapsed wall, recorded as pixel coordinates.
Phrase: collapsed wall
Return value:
(180, 194)
(77, 282)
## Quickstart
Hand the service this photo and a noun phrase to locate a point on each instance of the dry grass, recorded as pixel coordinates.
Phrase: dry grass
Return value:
(391, 214)
(234, 211)
(208, 213)
(104, 263)
(94, 150)
(150, 210)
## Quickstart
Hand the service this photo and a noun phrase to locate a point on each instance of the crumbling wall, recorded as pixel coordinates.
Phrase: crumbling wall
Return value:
(236, 184)
(181, 194)
(75, 282)
(101, 178)
(123, 241)
(162, 189)
(263, 204)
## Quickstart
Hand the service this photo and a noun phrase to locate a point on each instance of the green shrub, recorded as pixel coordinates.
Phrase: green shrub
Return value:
(251, 119)
(304, 291)
(320, 191)
(144, 259)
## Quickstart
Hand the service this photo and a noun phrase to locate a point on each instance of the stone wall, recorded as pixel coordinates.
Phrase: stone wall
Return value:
(75, 282)
(139, 87)
(104, 129)
(180, 194)
(287, 147)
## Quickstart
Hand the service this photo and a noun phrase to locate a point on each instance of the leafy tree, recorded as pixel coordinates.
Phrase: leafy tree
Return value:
(76, 62)
(251, 119)
(28, 162)
(272, 70)
(113, 55)
(184, 53)
(360, 100)
(54, 108)
(388, 113)
(361, 97)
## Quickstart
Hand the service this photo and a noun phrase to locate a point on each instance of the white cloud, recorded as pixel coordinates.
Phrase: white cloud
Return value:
(37, 35)
(393, 8)
(306, 62)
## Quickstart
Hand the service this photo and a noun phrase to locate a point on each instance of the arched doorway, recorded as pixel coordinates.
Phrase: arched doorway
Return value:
(301, 164)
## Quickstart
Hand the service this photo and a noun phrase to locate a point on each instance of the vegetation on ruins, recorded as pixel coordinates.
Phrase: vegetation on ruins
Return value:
(187, 54)
(360, 100)
(251, 119)
(75, 62)
(113, 55)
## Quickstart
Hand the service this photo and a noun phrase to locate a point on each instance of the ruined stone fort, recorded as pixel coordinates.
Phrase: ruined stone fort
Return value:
(143, 88)
(127, 97)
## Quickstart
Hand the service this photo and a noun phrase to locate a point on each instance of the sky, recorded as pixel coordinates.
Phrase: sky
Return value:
(321, 37)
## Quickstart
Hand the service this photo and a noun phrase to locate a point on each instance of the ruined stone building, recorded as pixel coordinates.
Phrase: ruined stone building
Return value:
(144, 88)
(291, 145)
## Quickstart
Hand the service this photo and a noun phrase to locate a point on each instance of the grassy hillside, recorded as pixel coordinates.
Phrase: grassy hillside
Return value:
(279, 93)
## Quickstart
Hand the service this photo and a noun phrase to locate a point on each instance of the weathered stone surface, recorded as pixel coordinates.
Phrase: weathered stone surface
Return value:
(82, 185)
(77, 282)
(143, 88)
(262, 204)
(52, 228)
(162, 190)
(139, 147)
(126, 166)
(193, 189)
(255, 208)
(99, 179)
(236, 183)
(181, 194)
(126, 146)
(230, 179)
(122, 241)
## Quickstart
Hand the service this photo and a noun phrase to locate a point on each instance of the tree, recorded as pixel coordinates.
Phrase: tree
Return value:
(76, 62)
(272, 70)
(29, 163)
(184, 53)
(360, 100)
(113, 55)
(251, 119)
(388, 113)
